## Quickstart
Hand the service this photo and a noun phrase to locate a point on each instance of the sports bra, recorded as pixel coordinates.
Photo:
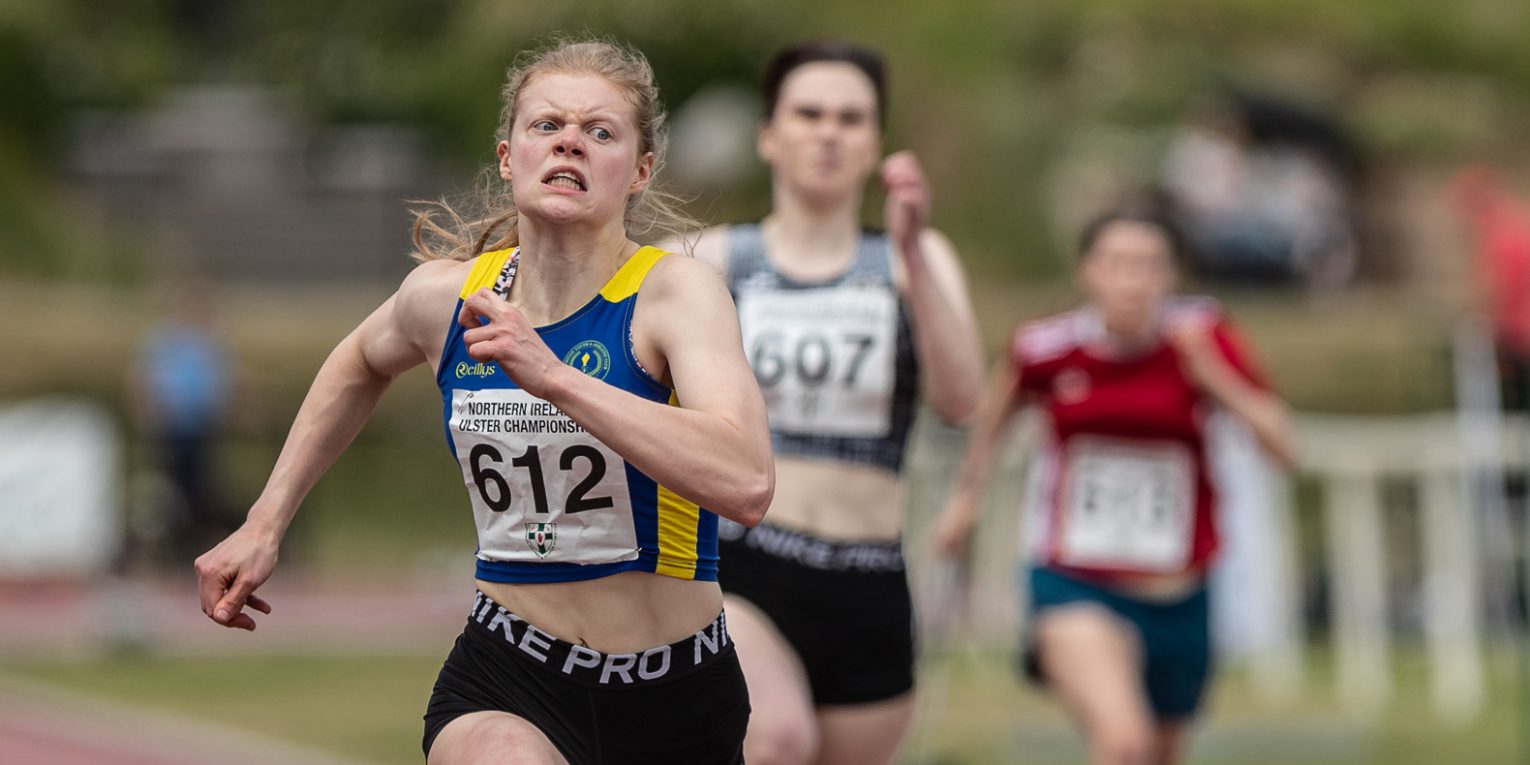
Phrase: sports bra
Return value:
(835, 359)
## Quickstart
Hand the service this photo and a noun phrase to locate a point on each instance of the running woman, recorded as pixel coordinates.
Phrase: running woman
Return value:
(1122, 526)
(843, 326)
(596, 396)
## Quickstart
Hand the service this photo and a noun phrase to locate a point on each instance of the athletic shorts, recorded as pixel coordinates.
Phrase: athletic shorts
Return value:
(682, 702)
(1175, 637)
(844, 607)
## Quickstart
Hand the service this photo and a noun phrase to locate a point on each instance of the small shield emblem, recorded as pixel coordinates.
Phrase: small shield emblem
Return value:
(542, 538)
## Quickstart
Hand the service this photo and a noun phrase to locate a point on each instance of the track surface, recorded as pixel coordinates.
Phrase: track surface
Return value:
(43, 726)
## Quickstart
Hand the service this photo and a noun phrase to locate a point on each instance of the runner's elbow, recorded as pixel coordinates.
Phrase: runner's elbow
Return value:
(958, 407)
(753, 497)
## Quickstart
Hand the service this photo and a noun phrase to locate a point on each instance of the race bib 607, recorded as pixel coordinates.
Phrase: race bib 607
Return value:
(824, 358)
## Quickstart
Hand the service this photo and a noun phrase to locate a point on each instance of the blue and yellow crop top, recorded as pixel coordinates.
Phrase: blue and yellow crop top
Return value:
(835, 359)
(552, 503)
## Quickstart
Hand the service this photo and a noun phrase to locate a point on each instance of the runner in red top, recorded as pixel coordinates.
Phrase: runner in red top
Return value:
(1121, 526)
(1125, 486)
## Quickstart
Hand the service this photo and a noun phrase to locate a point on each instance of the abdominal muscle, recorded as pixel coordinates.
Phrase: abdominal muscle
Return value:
(836, 500)
(622, 613)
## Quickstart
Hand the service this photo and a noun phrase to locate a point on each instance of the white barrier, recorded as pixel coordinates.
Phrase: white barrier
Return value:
(60, 489)
(1349, 457)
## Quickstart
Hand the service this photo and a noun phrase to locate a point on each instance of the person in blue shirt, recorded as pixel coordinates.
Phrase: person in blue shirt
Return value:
(181, 393)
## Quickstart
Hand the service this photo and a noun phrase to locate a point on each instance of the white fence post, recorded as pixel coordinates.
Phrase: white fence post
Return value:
(1278, 670)
(1357, 604)
(1452, 596)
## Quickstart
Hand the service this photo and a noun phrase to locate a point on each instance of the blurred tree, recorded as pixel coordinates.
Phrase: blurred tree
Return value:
(992, 93)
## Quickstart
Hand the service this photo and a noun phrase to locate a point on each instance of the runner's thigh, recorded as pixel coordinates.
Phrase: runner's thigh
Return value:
(497, 738)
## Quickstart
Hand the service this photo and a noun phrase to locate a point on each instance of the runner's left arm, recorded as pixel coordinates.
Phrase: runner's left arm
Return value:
(1205, 351)
(945, 331)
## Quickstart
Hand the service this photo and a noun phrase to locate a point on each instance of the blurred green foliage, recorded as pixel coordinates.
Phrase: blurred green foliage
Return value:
(995, 95)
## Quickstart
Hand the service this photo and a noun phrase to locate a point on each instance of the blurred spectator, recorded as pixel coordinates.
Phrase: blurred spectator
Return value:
(1263, 191)
(1500, 227)
(180, 391)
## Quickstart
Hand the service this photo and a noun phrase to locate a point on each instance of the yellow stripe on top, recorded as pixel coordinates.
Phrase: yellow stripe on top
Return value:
(630, 276)
(679, 521)
(485, 272)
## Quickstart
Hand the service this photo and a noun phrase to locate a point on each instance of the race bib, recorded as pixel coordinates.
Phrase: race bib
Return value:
(1127, 504)
(824, 358)
(543, 489)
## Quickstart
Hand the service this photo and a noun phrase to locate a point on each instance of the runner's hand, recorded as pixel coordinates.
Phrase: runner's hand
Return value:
(1191, 339)
(953, 529)
(228, 575)
(498, 331)
(908, 200)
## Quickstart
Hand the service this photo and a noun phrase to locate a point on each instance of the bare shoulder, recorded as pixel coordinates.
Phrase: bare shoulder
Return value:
(685, 296)
(938, 247)
(683, 304)
(428, 294)
(434, 279)
(683, 278)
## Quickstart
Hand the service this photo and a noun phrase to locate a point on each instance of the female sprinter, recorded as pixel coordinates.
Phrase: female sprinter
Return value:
(1124, 525)
(596, 397)
(842, 326)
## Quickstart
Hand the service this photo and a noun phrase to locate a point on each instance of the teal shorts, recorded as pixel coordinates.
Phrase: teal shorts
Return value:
(1175, 637)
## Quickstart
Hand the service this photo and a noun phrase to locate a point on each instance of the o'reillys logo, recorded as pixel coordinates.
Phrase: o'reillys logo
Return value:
(475, 369)
(589, 357)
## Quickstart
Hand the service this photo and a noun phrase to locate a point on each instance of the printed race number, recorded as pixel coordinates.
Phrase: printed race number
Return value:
(495, 490)
(1128, 504)
(812, 358)
(824, 357)
(541, 487)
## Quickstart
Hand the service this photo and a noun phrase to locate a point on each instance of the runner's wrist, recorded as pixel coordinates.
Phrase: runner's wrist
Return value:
(963, 507)
(266, 529)
(557, 385)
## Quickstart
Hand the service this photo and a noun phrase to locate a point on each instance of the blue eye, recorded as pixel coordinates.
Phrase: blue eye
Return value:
(545, 126)
(602, 134)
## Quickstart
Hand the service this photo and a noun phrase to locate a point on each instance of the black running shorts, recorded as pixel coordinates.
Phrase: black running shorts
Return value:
(844, 607)
(684, 703)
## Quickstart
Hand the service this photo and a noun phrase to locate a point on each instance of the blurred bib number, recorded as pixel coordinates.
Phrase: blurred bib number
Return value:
(823, 357)
(542, 487)
(1127, 505)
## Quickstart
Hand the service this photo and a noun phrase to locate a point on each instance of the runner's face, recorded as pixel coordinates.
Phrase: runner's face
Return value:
(572, 151)
(823, 139)
(1128, 274)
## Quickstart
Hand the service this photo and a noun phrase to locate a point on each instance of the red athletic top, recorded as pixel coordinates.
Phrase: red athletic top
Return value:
(1122, 487)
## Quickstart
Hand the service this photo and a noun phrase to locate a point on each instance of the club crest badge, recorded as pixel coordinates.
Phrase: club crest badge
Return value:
(542, 538)
(589, 357)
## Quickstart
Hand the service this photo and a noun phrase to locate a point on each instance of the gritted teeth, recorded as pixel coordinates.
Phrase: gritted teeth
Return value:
(566, 180)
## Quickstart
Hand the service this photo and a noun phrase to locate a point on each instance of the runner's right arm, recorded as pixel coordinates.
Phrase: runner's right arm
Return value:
(344, 393)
